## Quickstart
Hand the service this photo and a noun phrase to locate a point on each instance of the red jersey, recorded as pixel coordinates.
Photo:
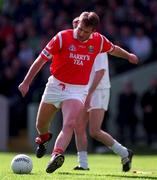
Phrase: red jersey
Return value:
(72, 59)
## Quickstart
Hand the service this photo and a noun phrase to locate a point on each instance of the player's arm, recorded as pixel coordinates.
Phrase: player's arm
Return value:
(120, 52)
(51, 48)
(99, 69)
(32, 72)
(100, 66)
(96, 80)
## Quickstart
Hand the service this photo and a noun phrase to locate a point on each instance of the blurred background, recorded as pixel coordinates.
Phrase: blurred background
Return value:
(26, 26)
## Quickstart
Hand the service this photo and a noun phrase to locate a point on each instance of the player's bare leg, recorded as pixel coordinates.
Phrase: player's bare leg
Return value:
(70, 109)
(96, 118)
(95, 121)
(81, 141)
(44, 117)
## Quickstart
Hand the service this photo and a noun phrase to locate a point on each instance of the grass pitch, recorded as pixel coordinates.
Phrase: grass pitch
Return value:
(106, 167)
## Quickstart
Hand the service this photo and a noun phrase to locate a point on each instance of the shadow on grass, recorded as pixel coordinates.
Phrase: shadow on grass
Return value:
(81, 174)
(108, 175)
(129, 177)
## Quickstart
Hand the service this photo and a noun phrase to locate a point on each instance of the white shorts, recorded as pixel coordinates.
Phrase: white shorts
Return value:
(56, 92)
(100, 99)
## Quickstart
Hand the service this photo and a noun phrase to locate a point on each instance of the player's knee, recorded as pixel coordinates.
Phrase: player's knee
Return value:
(69, 125)
(93, 133)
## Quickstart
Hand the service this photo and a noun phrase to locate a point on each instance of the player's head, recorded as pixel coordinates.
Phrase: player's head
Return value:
(86, 25)
(89, 19)
(75, 22)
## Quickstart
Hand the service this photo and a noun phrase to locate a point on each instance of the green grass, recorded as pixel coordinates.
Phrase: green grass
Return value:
(106, 167)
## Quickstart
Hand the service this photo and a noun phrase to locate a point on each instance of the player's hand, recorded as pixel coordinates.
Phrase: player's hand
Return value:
(87, 102)
(23, 88)
(133, 58)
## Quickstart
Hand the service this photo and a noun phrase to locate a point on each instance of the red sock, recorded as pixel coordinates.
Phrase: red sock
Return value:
(43, 138)
(58, 151)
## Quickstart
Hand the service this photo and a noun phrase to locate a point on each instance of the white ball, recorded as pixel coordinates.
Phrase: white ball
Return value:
(21, 164)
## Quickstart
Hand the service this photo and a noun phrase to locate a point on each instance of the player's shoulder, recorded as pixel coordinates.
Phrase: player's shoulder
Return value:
(97, 35)
(66, 31)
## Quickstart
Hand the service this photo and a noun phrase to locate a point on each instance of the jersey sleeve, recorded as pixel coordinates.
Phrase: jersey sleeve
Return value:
(52, 48)
(107, 46)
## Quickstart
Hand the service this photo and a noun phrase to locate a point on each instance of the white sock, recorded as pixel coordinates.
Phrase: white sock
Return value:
(119, 149)
(82, 159)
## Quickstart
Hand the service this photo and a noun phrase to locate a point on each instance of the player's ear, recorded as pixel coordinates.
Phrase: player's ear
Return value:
(75, 22)
(94, 29)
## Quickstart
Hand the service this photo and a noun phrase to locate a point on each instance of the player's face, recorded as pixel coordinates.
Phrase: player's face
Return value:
(83, 32)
